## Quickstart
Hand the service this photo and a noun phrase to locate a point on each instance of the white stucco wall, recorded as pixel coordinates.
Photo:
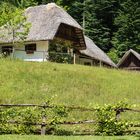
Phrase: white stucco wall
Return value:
(82, 61)
(38, 55)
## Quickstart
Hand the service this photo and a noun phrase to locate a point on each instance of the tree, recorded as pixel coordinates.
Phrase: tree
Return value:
(22, 4)
(99, 19)
(113, 55)
(13, 23)
(128, 22)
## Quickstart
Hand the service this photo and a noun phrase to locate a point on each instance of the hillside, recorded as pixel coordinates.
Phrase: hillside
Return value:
(31, 82)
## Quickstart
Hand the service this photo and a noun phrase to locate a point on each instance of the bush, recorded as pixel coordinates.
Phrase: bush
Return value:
(62, 132)
(108, 123)
(60, 57)
(19, 120)
(113, 55)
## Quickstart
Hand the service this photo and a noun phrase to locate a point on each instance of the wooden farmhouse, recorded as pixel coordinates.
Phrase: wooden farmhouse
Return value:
(93, 55)
(48, 23)
(53, 32)
(130, 61)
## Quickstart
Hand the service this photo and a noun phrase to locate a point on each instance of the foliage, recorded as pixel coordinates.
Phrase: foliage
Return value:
(113, 55)
(22, 4)
(20, 120)
(6, 11)
(20, 115)
(13, 20)
(98, 18)
(63, 132)
(61, 111)
(58, 51)
(108, 123)
(60, 57)
(128, 22)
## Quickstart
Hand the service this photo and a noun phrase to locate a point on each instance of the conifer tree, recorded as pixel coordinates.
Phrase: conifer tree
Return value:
(128, 22)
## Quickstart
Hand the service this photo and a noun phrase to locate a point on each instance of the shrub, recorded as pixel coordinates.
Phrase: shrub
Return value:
(108, 123)
(19, 120)
(60, 57)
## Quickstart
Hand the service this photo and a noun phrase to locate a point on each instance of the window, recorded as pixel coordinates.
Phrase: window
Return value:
(7, 50)
(30, 48)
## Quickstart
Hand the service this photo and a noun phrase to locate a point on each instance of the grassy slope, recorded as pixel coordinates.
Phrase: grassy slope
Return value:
(66, 138)
(29, 82)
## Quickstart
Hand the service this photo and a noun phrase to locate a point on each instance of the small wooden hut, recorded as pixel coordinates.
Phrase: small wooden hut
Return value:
(130, 61)
(93, 55)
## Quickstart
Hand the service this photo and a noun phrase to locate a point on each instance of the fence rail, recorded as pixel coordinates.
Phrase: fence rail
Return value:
(43, 124)
(48, 106)
(68, 107)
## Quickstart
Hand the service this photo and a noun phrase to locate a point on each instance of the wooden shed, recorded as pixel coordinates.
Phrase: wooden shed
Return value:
(130, 61)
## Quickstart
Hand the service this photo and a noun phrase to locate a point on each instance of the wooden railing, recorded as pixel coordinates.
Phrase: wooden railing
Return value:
(44, 124)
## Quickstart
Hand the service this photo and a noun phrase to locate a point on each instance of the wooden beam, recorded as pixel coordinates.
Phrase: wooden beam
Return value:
(74, 59)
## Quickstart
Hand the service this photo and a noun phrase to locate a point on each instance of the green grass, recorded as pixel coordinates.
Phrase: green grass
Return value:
(30, 82)
(15, 137)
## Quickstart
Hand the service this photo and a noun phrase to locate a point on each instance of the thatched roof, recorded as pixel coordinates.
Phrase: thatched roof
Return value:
(137, 55)
(96, 53)
(45, 20)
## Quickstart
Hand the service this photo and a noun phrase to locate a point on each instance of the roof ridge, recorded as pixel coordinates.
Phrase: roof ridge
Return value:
(135, 53)
(52, 4)
(126, 55)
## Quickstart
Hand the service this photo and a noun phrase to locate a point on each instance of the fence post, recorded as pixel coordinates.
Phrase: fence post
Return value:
(13, 52)
(118, 113)
(43, 125)
(43, 56)
(74, 57)
(100, 63)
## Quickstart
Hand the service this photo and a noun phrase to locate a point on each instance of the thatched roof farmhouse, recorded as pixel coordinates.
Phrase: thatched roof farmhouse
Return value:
(47, 21)
(130, 61)
(48, 24)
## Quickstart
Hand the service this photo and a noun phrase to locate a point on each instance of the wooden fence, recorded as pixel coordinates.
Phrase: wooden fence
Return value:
(44, 124)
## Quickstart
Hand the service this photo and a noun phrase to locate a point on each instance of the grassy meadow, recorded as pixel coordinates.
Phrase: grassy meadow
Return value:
(32, 82)
(65, 84)
(15, 137)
